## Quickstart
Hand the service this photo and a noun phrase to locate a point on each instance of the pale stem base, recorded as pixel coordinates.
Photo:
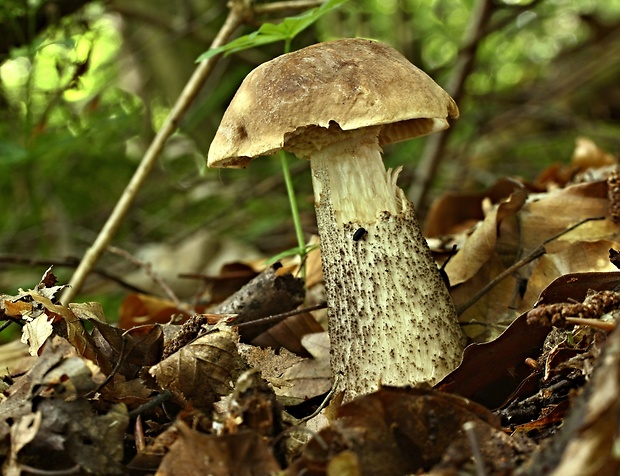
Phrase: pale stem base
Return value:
(391, 318)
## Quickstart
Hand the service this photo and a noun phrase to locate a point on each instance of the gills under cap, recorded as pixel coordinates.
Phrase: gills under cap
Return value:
(304, 100)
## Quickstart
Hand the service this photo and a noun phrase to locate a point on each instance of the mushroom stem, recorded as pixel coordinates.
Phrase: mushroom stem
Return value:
(391, 318)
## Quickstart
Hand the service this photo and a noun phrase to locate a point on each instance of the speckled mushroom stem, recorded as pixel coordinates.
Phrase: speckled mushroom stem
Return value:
(391, 318)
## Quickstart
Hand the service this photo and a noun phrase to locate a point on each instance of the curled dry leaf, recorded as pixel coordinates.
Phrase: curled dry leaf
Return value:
(491, 371)
(480, 246)
(41, 315)
(90, 311)
(565, 258)
(203, 370)
(135, 348)
(565, 221)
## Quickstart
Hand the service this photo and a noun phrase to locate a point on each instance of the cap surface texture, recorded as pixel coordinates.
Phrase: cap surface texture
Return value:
(304, 100)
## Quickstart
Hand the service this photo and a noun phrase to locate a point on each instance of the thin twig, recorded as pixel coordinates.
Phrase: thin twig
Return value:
(608, 326)
(152, 403)
(325, 401)
(69, 262)
(150, 272)
(536, 253)
(280, 317)
(469, 428)
(235, 18)
(119, 361)
(76, 469)
(286, 5)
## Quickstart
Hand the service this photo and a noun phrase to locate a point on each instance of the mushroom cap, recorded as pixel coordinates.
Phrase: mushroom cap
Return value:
(305, 100)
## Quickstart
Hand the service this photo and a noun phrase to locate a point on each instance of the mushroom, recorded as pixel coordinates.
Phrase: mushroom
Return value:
(391, 318)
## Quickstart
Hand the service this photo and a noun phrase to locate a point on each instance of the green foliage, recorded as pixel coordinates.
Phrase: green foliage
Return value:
(289, 253)
(269, 33)
(80, 103)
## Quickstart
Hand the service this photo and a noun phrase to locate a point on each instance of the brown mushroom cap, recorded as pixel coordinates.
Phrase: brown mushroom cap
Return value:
(304, 100)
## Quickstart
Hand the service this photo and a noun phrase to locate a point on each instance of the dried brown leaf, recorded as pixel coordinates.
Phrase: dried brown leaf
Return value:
(480, 246)
(586, 444)
(311, 377)
(203, 370)
(89, 311)
(456, 212)
(241, 454)
(400, 431)
(72, 435)
(567, 258)
(289, 333)
(140, 309)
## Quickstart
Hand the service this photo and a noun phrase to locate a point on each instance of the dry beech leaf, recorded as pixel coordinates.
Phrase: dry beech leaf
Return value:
(310, 377)
(575, 287)
(480, 246)
(546, 215)
(90, 311)
(272, 364)
(543, 216)
(137, 347)
(456, 212)
(140, 309)
(242, 454)
(203, 370)
(567, 258)
(35, 332)
(487, 317)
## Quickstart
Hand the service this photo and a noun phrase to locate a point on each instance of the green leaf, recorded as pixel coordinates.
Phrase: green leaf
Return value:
(285, 31)
(290, 252)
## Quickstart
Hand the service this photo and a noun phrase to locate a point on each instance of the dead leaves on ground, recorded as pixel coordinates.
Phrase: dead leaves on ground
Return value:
(537, 394)
(565, 227)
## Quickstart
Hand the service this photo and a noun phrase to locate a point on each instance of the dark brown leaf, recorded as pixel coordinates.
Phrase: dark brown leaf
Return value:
(203, 370)
(241, 454)
(402, 431)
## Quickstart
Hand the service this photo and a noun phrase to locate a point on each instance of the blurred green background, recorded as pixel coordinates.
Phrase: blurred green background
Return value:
(84, 86)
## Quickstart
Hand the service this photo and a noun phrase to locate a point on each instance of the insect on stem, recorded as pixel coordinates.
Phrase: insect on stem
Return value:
(359, 234)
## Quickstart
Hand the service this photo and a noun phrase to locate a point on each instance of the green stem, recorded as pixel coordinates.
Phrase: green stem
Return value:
(301, 242)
